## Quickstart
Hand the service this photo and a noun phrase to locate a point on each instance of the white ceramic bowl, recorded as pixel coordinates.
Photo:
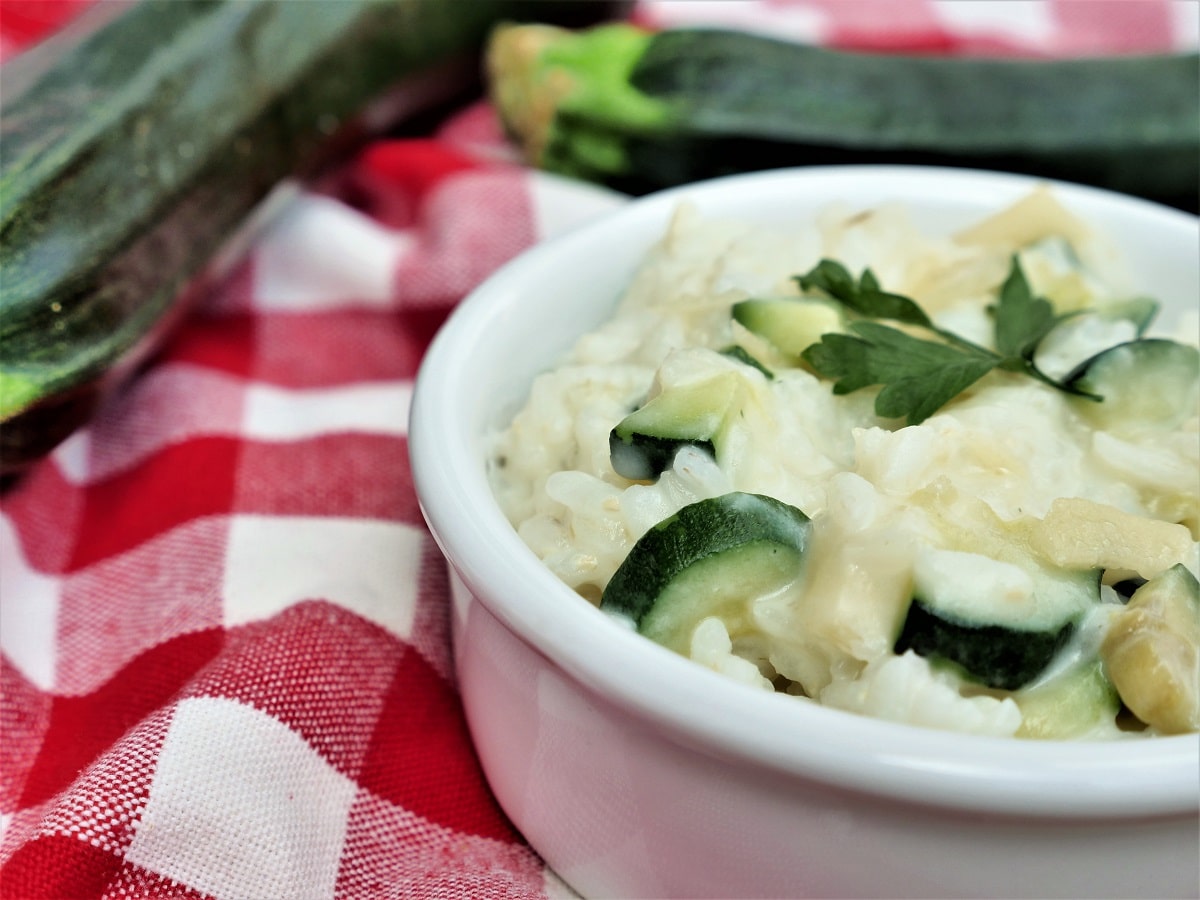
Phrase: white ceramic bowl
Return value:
(636, 773)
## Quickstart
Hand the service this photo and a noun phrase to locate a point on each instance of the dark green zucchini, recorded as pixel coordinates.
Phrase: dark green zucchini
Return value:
(712, 558)
(1150, 383)
(641, 110)
(998, 656)
(997, 623)
(643, 444)
(131, 155)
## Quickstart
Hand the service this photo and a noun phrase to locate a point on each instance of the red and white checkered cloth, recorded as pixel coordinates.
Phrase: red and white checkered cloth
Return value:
(225, 663)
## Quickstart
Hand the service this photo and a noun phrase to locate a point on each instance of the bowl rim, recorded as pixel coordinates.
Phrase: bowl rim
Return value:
(1007, 776)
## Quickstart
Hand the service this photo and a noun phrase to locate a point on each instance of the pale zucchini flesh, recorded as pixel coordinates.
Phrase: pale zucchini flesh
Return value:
(790, 325)
(712, 558)
(644, 443)
(1151, 383)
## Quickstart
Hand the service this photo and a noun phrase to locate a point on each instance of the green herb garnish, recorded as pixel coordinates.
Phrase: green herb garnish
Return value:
(918, 375)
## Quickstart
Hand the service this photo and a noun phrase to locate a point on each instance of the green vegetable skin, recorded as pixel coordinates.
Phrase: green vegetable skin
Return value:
(644, 443)
(131, 156)
(998, 656)
(712, 558)
(639, 111)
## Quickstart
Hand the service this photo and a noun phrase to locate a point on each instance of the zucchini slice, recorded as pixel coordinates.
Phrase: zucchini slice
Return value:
(792, 324)
(1152, 652)
(1151, 383)
(643, 444)
(1076, 337)
(995, 655)
(1073, 704)
(712, 558)
(998, 623)
(1140, 312)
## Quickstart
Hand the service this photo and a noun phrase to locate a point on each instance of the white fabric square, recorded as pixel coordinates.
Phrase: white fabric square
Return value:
(321, 253)
(1185, 24)
(6, 820)
(1027, 21)
(805, 23)
(277, 414)
(73, 456)
(29, 611)
(366, 566)
(242, 807)
(169, 405)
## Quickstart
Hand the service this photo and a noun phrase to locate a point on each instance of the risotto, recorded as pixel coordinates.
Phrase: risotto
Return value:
(947, 480)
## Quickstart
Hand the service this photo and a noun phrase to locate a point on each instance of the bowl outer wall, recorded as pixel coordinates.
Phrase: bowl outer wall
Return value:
(618, 809)
(528, 313)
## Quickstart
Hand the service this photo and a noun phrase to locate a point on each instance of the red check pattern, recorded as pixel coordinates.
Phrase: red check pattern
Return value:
(226, 668)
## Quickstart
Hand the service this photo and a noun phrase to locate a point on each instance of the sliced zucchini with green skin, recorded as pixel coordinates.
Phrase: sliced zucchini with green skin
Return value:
(995, 655)
(790, 325)
(1152, 652)
(1072, 704)
(644, 444)
(712, 558)
(1138, 311)
(1149, 383)
(998, 623)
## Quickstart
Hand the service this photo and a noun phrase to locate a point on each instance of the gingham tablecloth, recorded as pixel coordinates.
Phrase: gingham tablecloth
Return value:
(226, 669)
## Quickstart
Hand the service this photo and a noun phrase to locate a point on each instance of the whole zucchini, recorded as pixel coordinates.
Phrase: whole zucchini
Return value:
(132, 155)
(641, 110)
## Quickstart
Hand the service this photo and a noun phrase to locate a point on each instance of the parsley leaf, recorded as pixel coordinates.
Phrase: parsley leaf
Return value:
(919, 376)
(864, 296)
(1021, 319)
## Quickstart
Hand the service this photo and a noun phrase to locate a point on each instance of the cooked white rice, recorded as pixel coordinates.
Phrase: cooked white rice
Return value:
(1000, 453)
